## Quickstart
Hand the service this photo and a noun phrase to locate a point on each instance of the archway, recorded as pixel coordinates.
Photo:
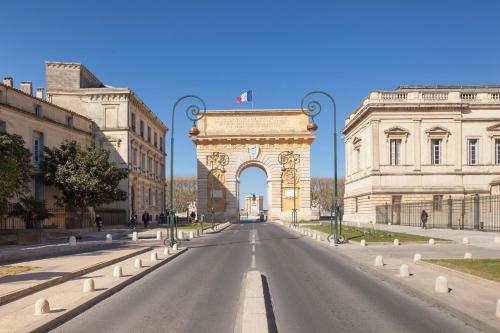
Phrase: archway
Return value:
(253, 191)
(276, 141)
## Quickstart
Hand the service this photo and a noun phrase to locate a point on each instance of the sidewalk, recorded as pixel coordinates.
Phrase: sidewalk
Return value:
(477, 238)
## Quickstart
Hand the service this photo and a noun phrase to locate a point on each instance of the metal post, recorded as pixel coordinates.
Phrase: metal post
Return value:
(313, 109)
(194, 113)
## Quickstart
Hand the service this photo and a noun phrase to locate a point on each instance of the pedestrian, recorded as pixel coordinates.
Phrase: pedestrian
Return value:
(162, 218)
(193, 216)
(423, 218)
(133, 221)
(145, 218)
(98, 222)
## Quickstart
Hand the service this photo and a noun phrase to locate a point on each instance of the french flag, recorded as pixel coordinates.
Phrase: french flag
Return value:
(244, 97)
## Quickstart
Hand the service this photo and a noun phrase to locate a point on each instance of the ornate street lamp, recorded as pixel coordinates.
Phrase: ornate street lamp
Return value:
(313, 109)
(288, 160)
(194, 112)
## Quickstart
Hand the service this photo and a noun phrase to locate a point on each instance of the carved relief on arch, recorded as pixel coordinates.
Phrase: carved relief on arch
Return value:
(217, 160)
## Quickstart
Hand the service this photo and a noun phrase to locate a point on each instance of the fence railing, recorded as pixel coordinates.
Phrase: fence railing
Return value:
(63, 219)
(473, 213)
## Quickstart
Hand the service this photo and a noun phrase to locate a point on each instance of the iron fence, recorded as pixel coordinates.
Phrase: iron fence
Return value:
(63, 219)
(472, 213)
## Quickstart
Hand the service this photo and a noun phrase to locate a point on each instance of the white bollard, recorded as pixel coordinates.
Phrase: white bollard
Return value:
(180, 235)
(117, 271)
(175, 247)
(159, 236)
(468, 255)
(109, 238)
(498, 309)
(441, 284)
(88, 285)
(138, 263)
(318, 238)
(396, 242)
(72, 240)
(496, 240)
(331, 243)
(417, 257)
(154, 256)
(431, 241)
(362, 243)
(191, 235)
(42, 306)
(166, 251)
(379, 261)
(135, 236)
(404, 271)
(465, 240)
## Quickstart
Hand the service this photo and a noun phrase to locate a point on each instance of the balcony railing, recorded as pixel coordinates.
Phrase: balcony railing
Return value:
(435, 96)
(394, 96)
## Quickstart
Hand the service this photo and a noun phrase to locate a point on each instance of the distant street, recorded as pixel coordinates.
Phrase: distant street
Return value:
(313, 289)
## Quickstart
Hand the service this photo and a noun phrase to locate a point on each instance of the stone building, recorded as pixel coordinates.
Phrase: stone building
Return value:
(421, 143)
(40, 123)
(254, 204)
(124, 125)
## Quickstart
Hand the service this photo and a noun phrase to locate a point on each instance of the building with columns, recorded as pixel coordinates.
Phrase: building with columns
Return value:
(123, 124)
(254, 204)
(421, 143)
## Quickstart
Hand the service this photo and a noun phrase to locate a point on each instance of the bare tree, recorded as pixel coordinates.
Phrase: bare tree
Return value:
(184, 193)
(322, 191)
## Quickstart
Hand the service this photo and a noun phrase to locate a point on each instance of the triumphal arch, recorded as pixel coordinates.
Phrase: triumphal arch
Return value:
(276, 141)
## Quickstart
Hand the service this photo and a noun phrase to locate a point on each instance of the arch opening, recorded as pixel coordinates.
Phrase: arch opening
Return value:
(252, 192)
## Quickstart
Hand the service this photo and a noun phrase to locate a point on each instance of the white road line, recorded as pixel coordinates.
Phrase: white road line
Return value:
(253, 262)
(253, 241)
(253, 248)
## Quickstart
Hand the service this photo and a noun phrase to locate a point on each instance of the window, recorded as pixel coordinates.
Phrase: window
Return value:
(143, 162)
(358, 159)
(156, 139)
(149, 197)
(472, 148)
(437, 203)
(37, 147)
(356, 204)
(161, 143)
(149, 134)
(3, 127)
(156, 168)
(38, 110)
(69, 121)
(132, 121)
(395, 148)
(150, 165)
(162, 170)
(497, 150)
(141, 128)
(436, 151)
(134, 156)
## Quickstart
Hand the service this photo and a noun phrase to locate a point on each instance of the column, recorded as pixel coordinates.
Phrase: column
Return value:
(458, 144)
(375, 145)
(417, 150)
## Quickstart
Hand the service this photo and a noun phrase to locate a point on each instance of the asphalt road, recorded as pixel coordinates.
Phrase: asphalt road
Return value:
(312, 288)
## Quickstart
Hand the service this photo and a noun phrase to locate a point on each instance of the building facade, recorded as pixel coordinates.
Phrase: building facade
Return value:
(254, 205)
(40, 123)
(421, 143)
(124, 125)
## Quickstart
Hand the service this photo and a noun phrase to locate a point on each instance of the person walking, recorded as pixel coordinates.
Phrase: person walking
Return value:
(98, 222)
(145, 219)
(133, 221)
(423, 218)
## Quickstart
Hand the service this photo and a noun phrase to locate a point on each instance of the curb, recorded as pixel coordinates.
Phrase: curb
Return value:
(109, 292)
(4, 299)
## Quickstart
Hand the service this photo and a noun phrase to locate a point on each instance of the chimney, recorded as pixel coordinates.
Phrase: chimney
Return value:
(8, 81)
(40, 92)
(26, 87)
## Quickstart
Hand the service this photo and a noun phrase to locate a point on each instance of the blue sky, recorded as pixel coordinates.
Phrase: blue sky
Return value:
(280, 49)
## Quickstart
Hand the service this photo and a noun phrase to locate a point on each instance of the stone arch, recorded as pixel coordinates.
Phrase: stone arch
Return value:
(232, 141)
